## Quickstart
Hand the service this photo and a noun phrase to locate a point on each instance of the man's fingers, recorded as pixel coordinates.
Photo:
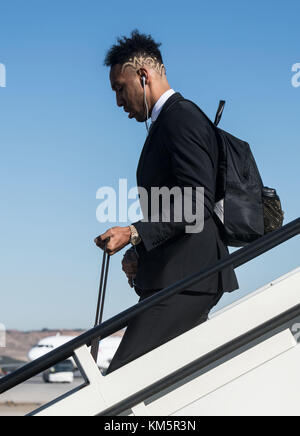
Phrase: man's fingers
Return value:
(130, 272)
(131, 278)
(102, 239)
(130, 256)
(129, 264)
(98, 241)
(118, 237)
(130, 268)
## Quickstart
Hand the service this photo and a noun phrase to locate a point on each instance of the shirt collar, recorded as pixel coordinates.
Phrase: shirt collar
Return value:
(159, 104)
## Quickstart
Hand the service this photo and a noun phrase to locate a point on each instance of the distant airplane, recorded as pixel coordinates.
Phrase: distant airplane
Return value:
(107, 349)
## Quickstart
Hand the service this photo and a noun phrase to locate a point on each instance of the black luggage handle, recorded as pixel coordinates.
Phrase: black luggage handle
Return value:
(101, 299)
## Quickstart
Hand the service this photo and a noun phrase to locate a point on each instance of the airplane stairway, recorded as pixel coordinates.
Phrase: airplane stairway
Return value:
(244, 361)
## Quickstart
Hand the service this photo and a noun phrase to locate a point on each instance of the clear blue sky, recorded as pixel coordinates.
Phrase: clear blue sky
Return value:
(62, 136)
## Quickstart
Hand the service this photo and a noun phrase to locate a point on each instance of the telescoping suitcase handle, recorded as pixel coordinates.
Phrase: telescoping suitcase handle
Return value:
(101, 299)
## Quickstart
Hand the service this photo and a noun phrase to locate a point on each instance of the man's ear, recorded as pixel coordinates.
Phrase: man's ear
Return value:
(142, 72)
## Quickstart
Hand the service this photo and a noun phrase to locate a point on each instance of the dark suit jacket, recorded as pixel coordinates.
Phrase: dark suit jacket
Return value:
(180, 150)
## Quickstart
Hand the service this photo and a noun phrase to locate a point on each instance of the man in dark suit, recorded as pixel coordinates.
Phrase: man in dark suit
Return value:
(181, 150)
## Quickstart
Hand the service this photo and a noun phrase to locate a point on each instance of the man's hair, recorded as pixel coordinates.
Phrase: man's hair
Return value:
(136, 51)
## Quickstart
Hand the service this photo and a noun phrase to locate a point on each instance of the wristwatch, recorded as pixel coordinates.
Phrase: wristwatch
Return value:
(135, 238)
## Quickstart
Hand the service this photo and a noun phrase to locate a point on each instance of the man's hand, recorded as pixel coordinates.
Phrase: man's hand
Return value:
(119, 237)
(130, 265)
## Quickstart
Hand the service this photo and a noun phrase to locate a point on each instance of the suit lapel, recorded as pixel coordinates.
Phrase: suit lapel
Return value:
(174, 98)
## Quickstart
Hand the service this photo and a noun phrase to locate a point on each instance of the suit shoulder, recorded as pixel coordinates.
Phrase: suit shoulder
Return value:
(185, 111)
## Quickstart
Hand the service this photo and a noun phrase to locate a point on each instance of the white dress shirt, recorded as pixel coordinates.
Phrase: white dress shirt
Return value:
(159, 104)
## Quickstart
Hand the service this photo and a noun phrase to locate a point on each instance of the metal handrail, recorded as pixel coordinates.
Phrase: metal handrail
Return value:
(119, 321)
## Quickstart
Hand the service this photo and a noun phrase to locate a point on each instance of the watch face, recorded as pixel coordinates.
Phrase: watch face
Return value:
(134, 240)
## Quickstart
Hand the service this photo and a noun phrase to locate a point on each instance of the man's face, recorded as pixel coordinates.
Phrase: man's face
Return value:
(129, 91)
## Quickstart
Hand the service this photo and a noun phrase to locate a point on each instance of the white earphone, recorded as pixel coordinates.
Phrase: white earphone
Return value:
(145, 101)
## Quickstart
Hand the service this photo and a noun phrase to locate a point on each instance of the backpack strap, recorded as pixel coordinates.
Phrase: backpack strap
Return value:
(222, 162)
(219, 112)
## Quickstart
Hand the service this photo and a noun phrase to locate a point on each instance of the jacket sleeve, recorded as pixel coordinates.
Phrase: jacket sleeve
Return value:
(192, 147)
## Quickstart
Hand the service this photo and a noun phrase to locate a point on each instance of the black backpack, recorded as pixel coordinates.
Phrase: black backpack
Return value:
(245, 209)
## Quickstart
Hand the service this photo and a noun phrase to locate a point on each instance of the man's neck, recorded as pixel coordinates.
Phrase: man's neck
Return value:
(156, 96)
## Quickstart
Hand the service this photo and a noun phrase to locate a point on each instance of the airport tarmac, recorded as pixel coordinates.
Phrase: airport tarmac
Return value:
(32, 394)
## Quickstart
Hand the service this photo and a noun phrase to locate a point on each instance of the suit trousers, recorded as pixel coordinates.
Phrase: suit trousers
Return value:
(161, 323)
